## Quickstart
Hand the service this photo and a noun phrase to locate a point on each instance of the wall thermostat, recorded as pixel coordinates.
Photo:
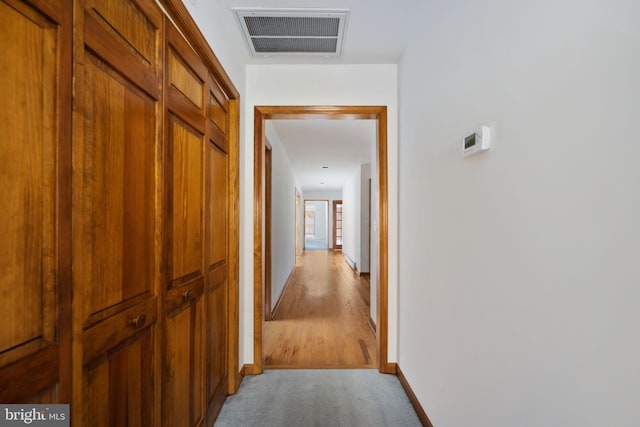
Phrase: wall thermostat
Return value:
(478, 141)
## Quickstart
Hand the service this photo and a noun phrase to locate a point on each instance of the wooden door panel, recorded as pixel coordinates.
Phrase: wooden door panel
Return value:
(218, 206)
(102, 44)
(218, 115)
(185, 79)
(186, 145)
(116, 219)
(118, 388)
(217, 241)
(27, 174)
(216, 345)
(186, 73)
(218, 108)
(117, 211)
(34, 166)
(183, 372)
(132, 23)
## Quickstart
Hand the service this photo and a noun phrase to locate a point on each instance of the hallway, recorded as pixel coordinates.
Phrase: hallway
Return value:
(325, 397)
(323, 318)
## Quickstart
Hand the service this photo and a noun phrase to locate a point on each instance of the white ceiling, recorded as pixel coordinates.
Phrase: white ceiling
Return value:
(376, 29)
(376, 33)
(342, 145)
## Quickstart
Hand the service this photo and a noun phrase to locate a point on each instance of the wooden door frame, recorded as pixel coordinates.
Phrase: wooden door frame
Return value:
(378, 113)
(267, 231)
(334, 228)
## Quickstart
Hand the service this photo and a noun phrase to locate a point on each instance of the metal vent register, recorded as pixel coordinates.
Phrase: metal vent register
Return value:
(293, 32)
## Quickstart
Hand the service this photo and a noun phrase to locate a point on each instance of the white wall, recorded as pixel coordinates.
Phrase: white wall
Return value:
(373, 250)
(351, 218)
(324, 195)
(355, 215)
(219, 26)
(315, 85)
(283, 215)
(519, 267)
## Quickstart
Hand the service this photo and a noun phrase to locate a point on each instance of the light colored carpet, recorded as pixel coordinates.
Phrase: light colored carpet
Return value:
(323, 397)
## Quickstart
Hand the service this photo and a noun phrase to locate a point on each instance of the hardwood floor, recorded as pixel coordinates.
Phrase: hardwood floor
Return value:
(323, 318)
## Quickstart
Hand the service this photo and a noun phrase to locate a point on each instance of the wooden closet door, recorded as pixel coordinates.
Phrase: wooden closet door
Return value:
(217, 239)
(183, 399)
(35, 263)
(116, 211)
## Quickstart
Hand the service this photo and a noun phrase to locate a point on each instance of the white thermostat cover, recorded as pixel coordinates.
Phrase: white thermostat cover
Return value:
(478, 141)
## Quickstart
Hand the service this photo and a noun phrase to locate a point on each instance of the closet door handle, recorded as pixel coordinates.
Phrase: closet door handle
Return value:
(188, 295)
(139, 321)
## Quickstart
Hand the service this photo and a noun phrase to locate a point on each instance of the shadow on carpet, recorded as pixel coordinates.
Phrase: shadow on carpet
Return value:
(322, 397)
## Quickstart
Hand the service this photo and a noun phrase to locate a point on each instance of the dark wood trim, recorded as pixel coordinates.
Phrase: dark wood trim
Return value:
(379, 113)
(78, 299)
(258, 255)
(307, 112)
(319, 367)
(252, 369)
(267, 231)
(284, 289)
(233, 304)
(64, 207)
(422, 415)
(382, 271)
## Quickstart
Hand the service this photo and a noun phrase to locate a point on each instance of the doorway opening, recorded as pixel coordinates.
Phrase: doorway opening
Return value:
(377, 113)
(316, 224)
(337, 224)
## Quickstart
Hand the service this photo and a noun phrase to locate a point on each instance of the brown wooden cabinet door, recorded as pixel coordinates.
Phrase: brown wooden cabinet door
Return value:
(217, 226)
(217, 275)
(34, 188)
(116, 211)
(184, 371)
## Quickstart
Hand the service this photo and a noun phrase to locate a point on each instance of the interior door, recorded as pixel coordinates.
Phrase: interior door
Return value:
(337, 224)
(217, 254)
(116, 215)
(184, 306)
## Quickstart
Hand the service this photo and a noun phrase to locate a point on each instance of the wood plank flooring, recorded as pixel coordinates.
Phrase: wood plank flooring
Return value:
(323, 318)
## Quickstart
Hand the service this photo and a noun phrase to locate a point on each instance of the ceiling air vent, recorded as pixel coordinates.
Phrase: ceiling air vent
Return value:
(293, 32)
